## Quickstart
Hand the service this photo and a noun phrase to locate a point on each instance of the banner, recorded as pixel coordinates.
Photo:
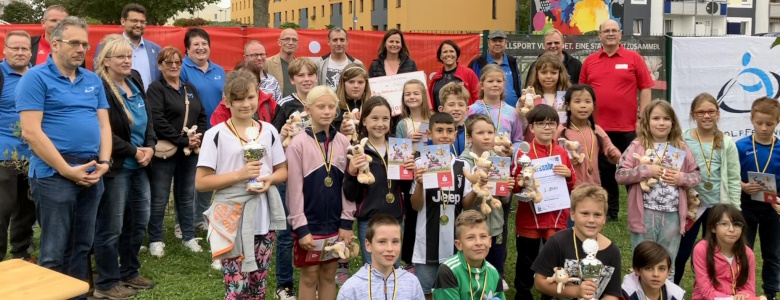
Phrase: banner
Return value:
(392, 88)
(735, 70)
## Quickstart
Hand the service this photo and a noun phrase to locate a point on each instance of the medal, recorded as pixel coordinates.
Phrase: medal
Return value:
(585, 141)
(390, 198)
(708, 185)
(444, 220)
(327, 162)
(707, 163)
(328, 181)
(590, 170)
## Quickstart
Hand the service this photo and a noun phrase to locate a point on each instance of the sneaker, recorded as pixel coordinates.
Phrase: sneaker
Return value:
(202, 226)
(216, 264)
(409, 268)
(342, 274)
(192, 244)
(157, 249)
(115, 293)
(177, 231)
(506, 285)
(286, 293)
(142, 249)
(139, 283)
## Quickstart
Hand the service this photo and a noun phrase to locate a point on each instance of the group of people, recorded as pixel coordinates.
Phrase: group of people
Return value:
(106, 149)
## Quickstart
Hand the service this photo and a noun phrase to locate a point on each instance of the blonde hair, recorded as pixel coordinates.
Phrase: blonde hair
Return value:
(765, 105)
(490, 68)
(351, 71)
(453, 89)
(298, 64)
(238, 84)
(113, 44)
(717, 141)
(588, 192)
(552, 61)
(468, 218)
(644, 135)
(319, 91)
(553, 31)
(426, 109)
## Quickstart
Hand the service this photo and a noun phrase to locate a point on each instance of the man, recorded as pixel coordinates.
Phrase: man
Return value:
(64, 117)
(277, 64)
(254, 52)
(553, 43)
(616, 74)
(41, 45)
(330, 65)
(496, 54)
(16, 209)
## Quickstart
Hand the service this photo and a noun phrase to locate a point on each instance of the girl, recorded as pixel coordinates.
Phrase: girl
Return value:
(724, 248)
(651, 264)
(549, 77)
(384, 196)
(716, 154)
(353, 90)
(222, 168)
(504, 117)
(659, 214)
(320, 212)
(415, 111)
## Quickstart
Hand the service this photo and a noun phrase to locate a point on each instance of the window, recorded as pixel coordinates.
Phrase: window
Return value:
(314, 9)
(350, 6)
(637, 26)
(361, 5)
(323, 11)
(215, 17)
(398, 26)
(668, 26)
(372, 5)
(374, 28)
(384, 4)
(285, 16)
(361, 27)
(494, 9)
(331, 10)
(293, 14)
(398, 4)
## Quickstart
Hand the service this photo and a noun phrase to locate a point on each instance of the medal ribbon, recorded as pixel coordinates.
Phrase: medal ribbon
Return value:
(233, 130)
(327, 162)
(534, 142)
(487, 111)
(395, 284)
(708, 163)
(584, 141)
(755, 155)
(384, 163)
(484, 284)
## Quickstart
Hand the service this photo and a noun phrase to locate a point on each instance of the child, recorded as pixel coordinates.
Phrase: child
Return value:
(758, 150)
(221, 167)
(415, 111)
(383, 242)
(548, 77)
(504, 116)
(467, 274)
(533, 228)
(318, 211)
(717, 155)
(652, 265)
(435, 233)
(454, 99)
(580, 101)
(724, 248)
(660, 214)
(564, 250)
(353, 90)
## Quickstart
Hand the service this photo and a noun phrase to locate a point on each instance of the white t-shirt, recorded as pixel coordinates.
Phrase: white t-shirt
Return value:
(333, 73)
(222, 152)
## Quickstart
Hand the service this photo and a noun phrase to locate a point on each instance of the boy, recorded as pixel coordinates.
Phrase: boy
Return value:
(435, 230)
(454, 99)
(564, 250)
(377, 281)
(652, 265)
(467, 275)
(533, 228)
(757, 151)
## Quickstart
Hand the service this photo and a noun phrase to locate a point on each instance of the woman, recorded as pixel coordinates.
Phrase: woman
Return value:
(393, 56)
(169, 97)
(448, 55)
(266, 103)
(120, 235)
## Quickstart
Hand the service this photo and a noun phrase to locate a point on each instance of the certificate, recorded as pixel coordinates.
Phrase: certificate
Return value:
(392, 88)
(498, 177)
(768, 185)
(555, 192)
(436, 160)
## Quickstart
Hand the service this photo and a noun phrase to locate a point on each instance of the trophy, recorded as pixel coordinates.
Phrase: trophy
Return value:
(522, 162)
(253, 151)
(590, 265)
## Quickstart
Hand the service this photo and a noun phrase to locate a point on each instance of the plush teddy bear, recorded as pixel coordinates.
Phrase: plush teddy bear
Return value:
(561, 277)
(502, 142)
(192, 132)
(343, 250)
(693, 203)
(364, 175)
(351, 119)
(294, 120)
(648, 183)
(483, 165)
(573, 147)
(527, 103)
(530, 185)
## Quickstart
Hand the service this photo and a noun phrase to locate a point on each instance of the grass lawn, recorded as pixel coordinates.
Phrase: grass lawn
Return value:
(184, 275)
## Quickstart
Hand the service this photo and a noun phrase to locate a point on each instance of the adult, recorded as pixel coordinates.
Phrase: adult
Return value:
(64, 118)
(123, 213)
(330, 65)
(16, 209)
(41, 44)
(496, 54)
(254, 52)
(277, 64)
(168, 98)
(553, 43)
(266, 104)
(616, 74)
(393, 56)
(451, 71)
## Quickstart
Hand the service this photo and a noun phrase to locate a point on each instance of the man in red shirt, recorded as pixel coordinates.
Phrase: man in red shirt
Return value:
(616, 74)
(41, 44)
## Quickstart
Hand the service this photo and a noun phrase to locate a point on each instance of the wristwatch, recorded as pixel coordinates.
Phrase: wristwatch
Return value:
(105, 162)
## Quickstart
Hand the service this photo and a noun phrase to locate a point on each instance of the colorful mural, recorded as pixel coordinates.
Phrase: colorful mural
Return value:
(574, 16)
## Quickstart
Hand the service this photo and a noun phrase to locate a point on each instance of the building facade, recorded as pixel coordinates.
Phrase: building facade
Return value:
(211, 12)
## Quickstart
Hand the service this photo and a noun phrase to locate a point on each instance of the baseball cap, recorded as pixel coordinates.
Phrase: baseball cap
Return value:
(498, 33)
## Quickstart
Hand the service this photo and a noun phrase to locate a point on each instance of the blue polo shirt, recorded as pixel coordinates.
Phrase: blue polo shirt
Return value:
(509, 84)
(209, 84)
(9, 117)
(69, 111)
(137, 108)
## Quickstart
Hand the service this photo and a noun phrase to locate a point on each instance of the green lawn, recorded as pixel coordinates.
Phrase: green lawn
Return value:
(184, 275)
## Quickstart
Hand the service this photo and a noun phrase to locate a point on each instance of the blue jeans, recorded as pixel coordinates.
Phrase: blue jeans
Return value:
(763, 220)
(202, 203)
(284, 247)
(121, 226)
(687, 243)
(181, 169)
(67, 213)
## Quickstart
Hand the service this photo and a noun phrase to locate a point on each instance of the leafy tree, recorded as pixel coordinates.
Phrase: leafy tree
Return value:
(192, 22)
(286, 25)
(109, 12)
(260, 10)
(224, 24)
(20, 13)
(524, 15)
(329, 26)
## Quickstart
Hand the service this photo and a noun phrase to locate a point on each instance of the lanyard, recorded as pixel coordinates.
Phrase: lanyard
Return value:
(327, 162)
(661, 157)
(384, 163)
(584, 141)
(497, 124)
(232, 128)
(484, 284)
(395, 284)
(708, 163)
(755, 155)
(534, 142)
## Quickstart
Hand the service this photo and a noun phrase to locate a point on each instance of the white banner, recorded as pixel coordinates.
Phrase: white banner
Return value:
(392, 88)
(734, 69)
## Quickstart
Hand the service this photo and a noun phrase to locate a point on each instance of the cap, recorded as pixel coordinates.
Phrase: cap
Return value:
(498, 33)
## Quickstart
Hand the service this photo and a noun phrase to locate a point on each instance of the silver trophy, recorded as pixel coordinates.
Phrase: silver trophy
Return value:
(522, 162)
(253, 151)
(591, 266)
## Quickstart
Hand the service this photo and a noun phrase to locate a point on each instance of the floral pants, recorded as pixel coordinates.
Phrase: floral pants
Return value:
(244, 286)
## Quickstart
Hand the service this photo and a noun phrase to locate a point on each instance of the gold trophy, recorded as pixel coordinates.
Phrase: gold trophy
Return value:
(253, 151)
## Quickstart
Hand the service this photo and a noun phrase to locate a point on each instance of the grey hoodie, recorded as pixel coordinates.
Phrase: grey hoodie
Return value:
(495, 219)
(356, 287)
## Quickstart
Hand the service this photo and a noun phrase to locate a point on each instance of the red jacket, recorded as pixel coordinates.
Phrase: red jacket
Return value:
(470, 81)
(265, 109)
(526, 216)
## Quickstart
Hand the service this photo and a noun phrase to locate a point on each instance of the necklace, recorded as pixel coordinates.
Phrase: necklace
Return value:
(395, 284)
(390, 198)
(755, 155)
(496, 124)
(327, 162)
(592, 143)
(707, 163)
(484, 284)
(534, 142)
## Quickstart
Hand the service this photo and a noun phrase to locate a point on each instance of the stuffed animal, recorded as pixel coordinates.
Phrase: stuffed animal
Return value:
(351, 119)
(527, 103)
(502, 143)
(364, 175)
(192, 132)
(561, 277)
(648, 183)
(344, 251)
(483, 165)
(530, 185)
(573, 147)
(294, 120)
(693, 203)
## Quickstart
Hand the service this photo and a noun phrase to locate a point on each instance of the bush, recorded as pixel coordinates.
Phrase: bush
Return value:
(224, 24)
(92, 21)
(286, 25)
(193, 22)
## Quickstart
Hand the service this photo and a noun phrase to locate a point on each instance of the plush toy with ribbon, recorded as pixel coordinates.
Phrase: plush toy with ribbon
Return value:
(364, 175)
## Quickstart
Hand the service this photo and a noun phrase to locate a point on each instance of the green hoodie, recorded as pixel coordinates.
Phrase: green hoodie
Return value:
(495, 219)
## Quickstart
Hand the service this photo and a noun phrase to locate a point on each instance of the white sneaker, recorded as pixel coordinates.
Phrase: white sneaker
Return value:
(216, 264)
(192, 244)
(177, 231)
(202, 226)
(286, 293)
(504, 284)
(142, 249)
(157, 249)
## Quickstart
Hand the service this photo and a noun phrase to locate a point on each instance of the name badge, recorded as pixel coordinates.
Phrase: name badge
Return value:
(621, 67)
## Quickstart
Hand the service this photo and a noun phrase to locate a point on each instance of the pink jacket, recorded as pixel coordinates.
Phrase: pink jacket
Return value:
(702, 286)
(630, 173)
(607, 148)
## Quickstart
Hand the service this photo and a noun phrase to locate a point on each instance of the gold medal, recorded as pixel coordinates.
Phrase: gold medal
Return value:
(707, 185)
(327, 162)
(328, 181)
(390, 198)
(590, 170)
(444, 220)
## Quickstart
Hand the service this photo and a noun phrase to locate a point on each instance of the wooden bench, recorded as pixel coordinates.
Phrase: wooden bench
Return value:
(22, 280)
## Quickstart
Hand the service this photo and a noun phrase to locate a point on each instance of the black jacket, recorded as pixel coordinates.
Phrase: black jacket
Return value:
(167, 105)
(573, 67)
(285, 110)
(481, 61)
(377, 68)
(370, 199)
(120, 125)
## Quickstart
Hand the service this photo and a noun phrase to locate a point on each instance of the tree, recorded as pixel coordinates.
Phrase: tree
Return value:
(286, 25)
(20, 13)
(260, 10)
(523, 15)
(109, 12)
(330, 26)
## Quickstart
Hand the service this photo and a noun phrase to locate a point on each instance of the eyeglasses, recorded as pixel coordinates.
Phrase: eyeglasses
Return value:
(701, 113)
(75, 44)
(136, 21)
(18, 49)
(610, 31)
(255, 55)
(121, 57)
(727, 224)
(289, 40)
(546, 124)
(169, 63)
